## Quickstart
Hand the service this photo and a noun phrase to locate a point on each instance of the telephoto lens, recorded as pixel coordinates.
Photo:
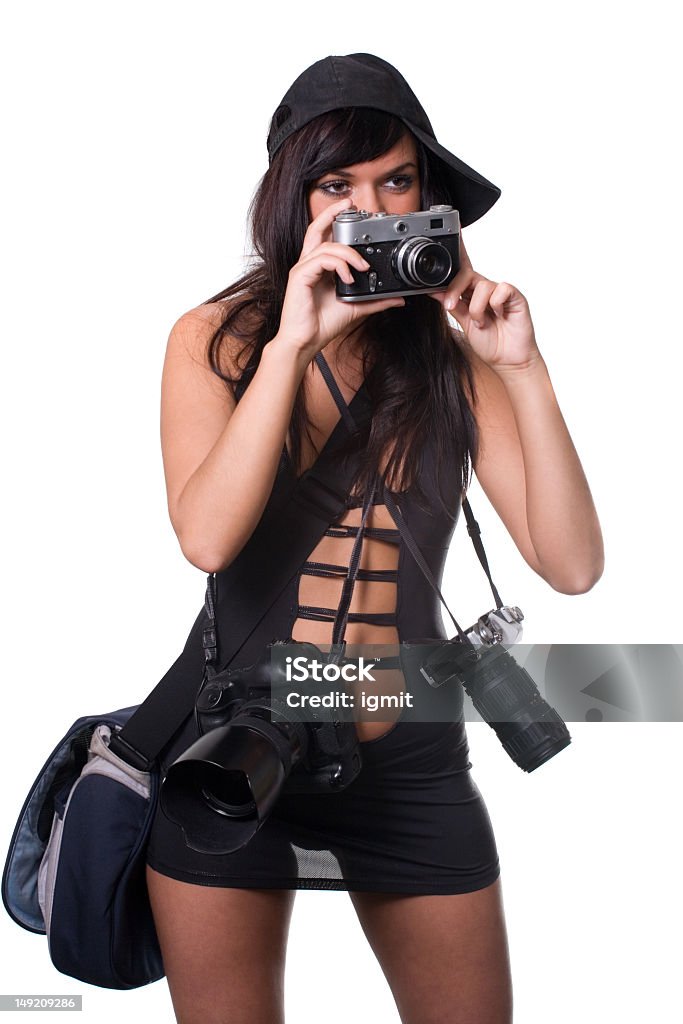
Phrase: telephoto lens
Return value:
(505, 696)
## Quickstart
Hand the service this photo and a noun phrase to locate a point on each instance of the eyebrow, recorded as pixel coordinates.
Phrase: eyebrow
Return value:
(388, 174)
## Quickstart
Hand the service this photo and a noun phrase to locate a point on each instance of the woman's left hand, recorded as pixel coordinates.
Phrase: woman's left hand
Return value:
(494, 317)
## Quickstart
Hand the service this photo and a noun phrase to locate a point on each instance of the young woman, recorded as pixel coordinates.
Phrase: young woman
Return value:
(246, 411)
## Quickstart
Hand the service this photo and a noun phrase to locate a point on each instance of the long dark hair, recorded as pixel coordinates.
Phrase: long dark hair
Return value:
(416, 388)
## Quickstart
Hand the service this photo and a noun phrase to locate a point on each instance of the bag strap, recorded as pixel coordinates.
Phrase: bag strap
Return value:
(280, 543)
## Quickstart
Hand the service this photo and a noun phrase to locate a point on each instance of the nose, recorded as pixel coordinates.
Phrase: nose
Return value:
(368, 198)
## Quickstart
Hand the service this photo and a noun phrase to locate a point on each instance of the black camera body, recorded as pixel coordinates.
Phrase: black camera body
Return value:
(325, 753)
(409, 254)
(253, 747)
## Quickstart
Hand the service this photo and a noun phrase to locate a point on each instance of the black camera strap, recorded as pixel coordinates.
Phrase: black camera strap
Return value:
(475, 536)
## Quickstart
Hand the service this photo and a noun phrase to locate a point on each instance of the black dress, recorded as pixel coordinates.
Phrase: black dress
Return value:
(413, 821)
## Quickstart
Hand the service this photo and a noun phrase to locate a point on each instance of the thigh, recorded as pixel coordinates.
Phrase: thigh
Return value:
(223, 949)
(445, 957)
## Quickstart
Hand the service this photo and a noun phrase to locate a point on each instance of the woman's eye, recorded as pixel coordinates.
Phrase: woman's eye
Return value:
(333, 188)
(403, 182)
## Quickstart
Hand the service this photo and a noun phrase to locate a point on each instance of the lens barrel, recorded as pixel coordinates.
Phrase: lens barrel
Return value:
(506, 697)
(421, 262)
(234, 771)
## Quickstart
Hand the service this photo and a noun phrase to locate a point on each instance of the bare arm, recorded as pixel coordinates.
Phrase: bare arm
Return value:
(532, 475)
(527, 463)
(221, 457)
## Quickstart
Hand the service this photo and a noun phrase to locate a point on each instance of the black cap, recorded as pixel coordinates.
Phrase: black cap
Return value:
(363, 80)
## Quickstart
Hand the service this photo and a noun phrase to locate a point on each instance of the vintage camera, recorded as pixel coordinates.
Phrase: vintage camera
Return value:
(504, 694)
(409, 254)
(253, 747)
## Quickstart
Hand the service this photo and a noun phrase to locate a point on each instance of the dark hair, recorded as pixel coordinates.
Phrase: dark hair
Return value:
(417, 388)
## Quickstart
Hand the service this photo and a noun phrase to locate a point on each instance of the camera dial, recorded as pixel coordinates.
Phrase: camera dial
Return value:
(349, 216)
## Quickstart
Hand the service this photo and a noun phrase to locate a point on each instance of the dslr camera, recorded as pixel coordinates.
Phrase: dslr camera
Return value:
(503, 692)
(409, 253)
(252, 747)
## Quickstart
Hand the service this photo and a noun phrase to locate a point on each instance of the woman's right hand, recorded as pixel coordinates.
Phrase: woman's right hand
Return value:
(312, 315)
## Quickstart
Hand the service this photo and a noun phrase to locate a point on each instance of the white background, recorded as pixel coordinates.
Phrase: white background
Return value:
(135, 135)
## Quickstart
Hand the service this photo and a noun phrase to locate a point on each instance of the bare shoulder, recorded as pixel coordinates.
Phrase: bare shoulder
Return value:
(196, 402)
(193, 330)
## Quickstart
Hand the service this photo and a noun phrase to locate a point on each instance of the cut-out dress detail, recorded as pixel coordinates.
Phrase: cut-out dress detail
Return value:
(375, 542)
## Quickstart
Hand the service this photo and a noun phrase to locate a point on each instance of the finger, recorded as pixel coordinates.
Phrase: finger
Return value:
(440, 297)
(478, 304)
(461, 313)
(311, 270)
(454, 305)
(464, 258)
(459, 285)
(345, 252)
(502, 294)
(319, 228)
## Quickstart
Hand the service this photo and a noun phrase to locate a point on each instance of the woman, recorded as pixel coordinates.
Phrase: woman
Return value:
(409, 838)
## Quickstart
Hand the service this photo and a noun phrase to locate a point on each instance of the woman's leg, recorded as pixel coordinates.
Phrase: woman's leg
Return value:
(223, 950)
(445, 957)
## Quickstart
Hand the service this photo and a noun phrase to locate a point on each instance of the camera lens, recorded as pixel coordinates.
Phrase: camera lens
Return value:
(231, 776)
(228, 793)
(423, 262)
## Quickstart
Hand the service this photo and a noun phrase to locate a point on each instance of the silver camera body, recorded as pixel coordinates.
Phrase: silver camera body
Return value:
(500, 626)
(408, 253)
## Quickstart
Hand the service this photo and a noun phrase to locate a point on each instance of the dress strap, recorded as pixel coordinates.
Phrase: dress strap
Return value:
(342, 405)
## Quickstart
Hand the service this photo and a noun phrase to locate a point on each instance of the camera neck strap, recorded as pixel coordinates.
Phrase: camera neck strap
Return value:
(472, 526)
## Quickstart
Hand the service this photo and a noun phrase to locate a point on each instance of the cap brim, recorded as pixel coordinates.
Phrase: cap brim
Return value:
(473, 195)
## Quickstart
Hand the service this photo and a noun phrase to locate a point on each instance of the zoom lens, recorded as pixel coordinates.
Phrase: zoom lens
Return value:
(422, 262)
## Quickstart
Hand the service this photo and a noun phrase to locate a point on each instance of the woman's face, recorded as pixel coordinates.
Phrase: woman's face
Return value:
(389, 184)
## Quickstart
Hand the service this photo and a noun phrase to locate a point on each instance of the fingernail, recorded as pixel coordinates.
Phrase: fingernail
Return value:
(449, 303)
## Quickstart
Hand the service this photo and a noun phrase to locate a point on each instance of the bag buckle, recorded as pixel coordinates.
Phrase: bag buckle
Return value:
(126, 752)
